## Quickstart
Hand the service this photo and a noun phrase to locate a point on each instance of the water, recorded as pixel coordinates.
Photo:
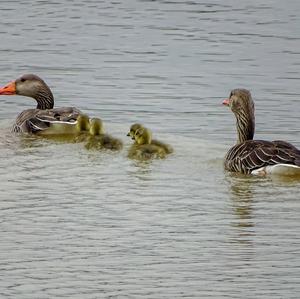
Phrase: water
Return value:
(85, 224)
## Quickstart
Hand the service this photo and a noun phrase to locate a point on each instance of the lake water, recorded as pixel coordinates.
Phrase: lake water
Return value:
(89, 224)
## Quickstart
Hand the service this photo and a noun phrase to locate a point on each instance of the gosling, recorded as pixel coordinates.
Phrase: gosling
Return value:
(143, 148)
(82, 128)
(167, 148)
(99, 140)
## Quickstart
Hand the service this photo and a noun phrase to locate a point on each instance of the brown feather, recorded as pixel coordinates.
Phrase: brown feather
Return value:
(249, 154)
(42, 118)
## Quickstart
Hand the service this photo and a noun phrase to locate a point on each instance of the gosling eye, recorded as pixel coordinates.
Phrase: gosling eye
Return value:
(23, 79)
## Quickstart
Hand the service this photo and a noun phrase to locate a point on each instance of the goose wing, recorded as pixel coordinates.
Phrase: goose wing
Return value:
(36, 120)
(253, 154)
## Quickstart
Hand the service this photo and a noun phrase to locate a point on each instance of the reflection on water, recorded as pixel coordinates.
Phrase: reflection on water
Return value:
(242, 194)
(90, 224)
(141, 169)
(246, 192)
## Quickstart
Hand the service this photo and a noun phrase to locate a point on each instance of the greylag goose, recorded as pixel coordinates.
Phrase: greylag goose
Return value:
(257, 157)
(143, 148)
(167, 148)
(99, 140)
(44, 119)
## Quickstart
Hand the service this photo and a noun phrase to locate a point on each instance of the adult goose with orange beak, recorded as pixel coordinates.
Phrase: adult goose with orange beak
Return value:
(258, 157)
(44, 119)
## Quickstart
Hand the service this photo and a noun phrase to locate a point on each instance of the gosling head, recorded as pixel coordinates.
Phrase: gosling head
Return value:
(83, 123)
(133, 129)
(143, 136)
(96, 126)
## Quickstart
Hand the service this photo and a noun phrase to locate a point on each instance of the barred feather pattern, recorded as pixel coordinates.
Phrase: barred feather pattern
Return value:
(35, 120)
(248, 154)
(253, 154)
(44, 98)
(41, 118)
(245, 126)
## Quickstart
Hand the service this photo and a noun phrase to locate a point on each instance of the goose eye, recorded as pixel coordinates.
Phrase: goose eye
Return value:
(23, 79)
(237, 105)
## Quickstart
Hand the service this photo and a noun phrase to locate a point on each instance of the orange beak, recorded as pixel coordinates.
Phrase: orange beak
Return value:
(8, 89)
(226, 102)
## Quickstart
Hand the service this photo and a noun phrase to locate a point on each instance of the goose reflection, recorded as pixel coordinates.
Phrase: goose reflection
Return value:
(241, 190)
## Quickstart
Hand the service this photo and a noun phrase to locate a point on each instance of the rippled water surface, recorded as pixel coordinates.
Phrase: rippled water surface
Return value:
(89, 224)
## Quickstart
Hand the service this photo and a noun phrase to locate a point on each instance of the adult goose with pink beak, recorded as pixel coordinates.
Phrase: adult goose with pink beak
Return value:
(257, 157)
(44, 119)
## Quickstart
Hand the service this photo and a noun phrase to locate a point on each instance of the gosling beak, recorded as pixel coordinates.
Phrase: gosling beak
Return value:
(128, 134)
(8, 89)
(226, 102)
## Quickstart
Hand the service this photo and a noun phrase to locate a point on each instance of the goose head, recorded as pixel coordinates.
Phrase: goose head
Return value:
(133, 129)
(242, 105)
(30, 85)
(240, 101)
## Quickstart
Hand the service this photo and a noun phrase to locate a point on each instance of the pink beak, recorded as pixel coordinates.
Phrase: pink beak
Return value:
(226, 102)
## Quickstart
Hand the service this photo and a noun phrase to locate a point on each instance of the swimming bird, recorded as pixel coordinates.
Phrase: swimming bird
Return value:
(258, 157)
(44, 119)
(81, 129)
(167, 148)
(143, 148)
(98, 139)
(83, 123)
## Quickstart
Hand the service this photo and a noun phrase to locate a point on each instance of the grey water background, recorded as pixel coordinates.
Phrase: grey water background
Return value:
(88, 224)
